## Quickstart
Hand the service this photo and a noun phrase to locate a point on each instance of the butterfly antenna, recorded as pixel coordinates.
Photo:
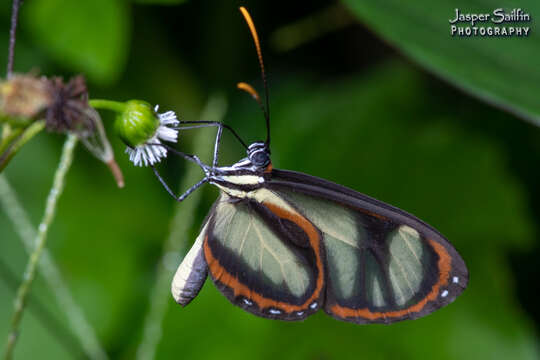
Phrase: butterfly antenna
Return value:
(248, 88)
(13, 36)
(251, 91)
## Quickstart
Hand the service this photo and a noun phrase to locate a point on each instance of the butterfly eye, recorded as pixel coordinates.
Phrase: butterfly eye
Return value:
(259, 158)
(259, 154)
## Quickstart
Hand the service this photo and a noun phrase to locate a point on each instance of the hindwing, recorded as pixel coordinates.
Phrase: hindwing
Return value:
(265, 257)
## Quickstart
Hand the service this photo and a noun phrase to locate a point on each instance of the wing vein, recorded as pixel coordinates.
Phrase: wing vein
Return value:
(228, 224)
(402, 270)
(412, 250)
(325, 230)
(415, 256)
(245, 236)
(265, 246)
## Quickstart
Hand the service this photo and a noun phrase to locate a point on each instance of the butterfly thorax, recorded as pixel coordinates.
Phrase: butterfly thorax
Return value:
(246, 175)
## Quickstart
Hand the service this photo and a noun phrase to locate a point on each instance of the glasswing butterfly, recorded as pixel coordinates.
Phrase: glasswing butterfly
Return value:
(282, 244)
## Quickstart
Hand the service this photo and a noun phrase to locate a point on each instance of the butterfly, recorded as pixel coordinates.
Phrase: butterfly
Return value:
(282, 244)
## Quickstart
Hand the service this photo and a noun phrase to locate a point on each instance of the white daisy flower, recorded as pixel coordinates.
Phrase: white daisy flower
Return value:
(144, 130)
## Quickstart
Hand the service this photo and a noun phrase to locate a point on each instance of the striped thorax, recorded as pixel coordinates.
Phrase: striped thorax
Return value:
(246, 175)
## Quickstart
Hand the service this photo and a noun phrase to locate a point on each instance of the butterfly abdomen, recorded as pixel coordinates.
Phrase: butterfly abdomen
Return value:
(191, 274)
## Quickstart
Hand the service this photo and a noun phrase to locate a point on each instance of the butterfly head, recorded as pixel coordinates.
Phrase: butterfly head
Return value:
(259, 154)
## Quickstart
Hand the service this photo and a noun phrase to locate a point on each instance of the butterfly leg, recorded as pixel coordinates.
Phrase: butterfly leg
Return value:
(217, 143)
(202, 124)
(185, 194)
(193, 158)
(216, 147)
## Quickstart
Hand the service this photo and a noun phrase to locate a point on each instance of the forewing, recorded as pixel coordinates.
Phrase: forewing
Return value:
(265, 257)
(382, 264)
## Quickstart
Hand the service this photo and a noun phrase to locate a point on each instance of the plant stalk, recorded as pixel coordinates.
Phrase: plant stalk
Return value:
(12, 36)
(17, 142)
(23, 226)
(41, 238)
(107, 105)
(8, 136)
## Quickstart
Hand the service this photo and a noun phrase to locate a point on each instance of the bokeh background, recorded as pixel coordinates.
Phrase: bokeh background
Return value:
(377, 97)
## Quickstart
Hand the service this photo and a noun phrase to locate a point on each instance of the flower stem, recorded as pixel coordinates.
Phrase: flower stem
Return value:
(74, 314)
(107, 105)
(16, 142)
(40, 241)
(12, 36)
(8, 136)
(175, 245)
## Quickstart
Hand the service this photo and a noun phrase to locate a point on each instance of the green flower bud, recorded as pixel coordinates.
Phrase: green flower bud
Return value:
(142, 129)
(137, 123)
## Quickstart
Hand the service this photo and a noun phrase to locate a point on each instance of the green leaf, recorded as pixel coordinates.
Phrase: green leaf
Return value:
(501, 71)
(88, 36)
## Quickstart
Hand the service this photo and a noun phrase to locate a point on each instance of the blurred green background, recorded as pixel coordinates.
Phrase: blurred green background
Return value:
(360, 94)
